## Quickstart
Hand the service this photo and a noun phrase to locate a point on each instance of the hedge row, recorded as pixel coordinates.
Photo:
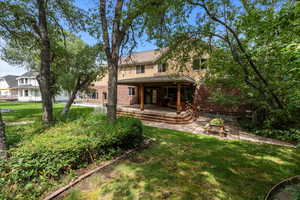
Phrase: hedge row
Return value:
(35, 164)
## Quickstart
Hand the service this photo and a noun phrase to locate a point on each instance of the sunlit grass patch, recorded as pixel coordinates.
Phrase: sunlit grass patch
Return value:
(186, 166)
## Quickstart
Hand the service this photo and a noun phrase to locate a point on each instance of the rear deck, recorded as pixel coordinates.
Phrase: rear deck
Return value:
(156, 113)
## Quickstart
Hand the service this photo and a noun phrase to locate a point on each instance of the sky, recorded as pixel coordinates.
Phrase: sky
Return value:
(143, 45)
(6, 69)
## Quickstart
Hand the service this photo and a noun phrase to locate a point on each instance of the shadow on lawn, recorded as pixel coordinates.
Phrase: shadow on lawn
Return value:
(186, 166)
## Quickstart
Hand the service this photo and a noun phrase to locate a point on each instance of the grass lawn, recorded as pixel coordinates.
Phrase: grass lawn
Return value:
(177, 166)
(29, 111)
(187, 166)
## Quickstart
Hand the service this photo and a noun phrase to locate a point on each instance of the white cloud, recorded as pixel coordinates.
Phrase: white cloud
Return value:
(6, 69)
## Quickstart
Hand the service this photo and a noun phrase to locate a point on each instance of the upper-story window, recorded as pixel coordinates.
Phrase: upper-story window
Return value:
(21, 81)
(140, 69)
(199, 63)
(162, 67)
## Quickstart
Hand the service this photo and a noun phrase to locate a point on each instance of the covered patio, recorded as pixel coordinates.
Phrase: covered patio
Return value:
(160, 98)
(162, 92)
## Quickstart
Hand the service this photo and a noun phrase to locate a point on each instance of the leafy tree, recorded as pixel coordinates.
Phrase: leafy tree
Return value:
(120, 23)
(80, 65)
(34, 24)
(252, 47)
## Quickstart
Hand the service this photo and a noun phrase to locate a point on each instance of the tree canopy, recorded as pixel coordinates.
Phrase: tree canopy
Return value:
(253, 46)
(36, 24)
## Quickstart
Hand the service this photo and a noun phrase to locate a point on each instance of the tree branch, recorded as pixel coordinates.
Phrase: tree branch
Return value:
(241, 47)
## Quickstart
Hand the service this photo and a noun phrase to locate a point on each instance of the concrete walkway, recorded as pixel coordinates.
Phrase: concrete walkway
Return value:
(233, 133)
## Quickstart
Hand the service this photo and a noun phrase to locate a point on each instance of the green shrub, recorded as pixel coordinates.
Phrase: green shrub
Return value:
(73, 114)
(18, 133)
(217, 121)
(35, 163)
(289, 135)
(125, 132)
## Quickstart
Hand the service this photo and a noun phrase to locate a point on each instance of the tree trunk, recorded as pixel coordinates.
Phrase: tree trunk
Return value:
(45, 84)
(69, 103)
(2, 138)
(45, 78)
(112, 91)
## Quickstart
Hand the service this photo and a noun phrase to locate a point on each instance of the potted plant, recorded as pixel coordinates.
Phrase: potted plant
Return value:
(216, 126)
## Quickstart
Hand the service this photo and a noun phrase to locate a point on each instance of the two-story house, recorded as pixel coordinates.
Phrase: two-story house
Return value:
(8, 87)
(144, 80)
(28, 89)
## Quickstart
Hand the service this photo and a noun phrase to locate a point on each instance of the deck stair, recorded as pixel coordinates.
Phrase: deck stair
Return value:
(184, 117)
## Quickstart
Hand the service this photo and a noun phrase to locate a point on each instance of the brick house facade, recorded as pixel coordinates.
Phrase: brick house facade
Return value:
(127, 95)
(143, 79)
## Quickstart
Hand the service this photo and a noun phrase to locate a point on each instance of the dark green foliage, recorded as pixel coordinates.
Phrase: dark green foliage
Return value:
(277, 124)
(36, 162)
(254, 55)
(16, 134)
(289, 135)
(125, 132)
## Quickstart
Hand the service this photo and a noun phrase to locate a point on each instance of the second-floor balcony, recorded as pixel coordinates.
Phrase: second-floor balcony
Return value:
(28, 86)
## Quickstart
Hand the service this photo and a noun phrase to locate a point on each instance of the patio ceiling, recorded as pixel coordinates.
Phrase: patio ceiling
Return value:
(157, 79)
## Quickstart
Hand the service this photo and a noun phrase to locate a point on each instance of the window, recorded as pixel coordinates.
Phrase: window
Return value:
(162, 67)
(196, 64)
(104, 94)
(203, 63)
(26, 93)
(131, 91)
(94, 95)
(21, 81)
(199, 63)
(140, 69)
(26, 80)
(36, 93)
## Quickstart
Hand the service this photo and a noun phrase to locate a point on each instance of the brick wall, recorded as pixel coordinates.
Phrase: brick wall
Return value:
(204, 104)
(123, 95)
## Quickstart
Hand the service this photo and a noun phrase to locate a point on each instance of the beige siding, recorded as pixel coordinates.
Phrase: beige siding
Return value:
(129, 71)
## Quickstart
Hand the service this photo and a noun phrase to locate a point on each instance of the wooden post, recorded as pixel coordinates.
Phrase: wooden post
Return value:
(178, 102)
(142, 97)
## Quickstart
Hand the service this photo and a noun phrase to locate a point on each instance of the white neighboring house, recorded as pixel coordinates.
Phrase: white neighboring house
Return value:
(28, 89)
(8, 87)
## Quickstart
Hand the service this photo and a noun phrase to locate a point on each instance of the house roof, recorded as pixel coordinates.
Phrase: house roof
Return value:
(144, 57)
(30, 74)
(158, 79)
(11, 80)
